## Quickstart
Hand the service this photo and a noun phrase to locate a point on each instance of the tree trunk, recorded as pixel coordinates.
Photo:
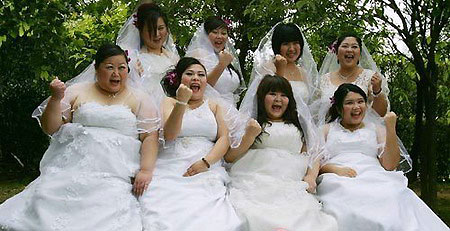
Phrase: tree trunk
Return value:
(418, 131)
(429, 166)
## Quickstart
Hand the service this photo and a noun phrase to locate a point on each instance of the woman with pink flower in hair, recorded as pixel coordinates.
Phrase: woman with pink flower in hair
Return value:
(212, 46)
(188, 188)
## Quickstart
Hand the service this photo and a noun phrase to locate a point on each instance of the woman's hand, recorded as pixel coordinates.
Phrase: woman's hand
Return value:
(253, 128)
(311, 183)
(184, 93)
(197, 167)
(140, 68)
(346, 171)
(376, 82)
(57, 88)
(141, 182)
(390, 119)
(280, 62)
(225, 58)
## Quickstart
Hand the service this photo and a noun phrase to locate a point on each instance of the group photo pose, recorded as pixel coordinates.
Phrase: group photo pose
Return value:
(189, 115)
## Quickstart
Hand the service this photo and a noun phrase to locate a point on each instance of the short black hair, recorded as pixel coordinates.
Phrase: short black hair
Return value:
(286, 32)
(108, 50)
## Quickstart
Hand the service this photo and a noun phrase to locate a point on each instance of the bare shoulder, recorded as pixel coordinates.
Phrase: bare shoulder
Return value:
(213, 105)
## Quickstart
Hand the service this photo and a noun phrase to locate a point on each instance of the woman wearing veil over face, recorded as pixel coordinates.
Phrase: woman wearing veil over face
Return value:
(146, 37)
(349, 61)
(103, 135)
(359, 183)
(212, 46)
(274, 169)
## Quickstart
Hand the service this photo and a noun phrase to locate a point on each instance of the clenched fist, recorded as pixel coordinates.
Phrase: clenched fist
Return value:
(390, 119)
(57, 88)
(225, 58)
(184, 93)
(253, 128)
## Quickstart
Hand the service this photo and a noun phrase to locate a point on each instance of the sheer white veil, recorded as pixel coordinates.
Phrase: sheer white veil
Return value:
(201, 48)
(263, 61)
(330, 64)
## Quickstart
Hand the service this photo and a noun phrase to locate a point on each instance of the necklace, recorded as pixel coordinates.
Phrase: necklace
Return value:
(345, 77)
(104, 92)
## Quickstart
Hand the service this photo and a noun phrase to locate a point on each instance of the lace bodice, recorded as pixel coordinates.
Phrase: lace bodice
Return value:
(301, 89)
(343, 141)
(199, 122)
(327, 88)
(155, 66)
(281, 136)
(117, 117)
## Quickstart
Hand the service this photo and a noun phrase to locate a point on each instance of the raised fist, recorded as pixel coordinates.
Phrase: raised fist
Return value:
(225, 58)
(184, 93)
(390, 119)
(253, 128)
(280, 62)
(57, 88)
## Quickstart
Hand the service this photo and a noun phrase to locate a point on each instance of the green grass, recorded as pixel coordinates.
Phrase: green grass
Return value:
(9, 188)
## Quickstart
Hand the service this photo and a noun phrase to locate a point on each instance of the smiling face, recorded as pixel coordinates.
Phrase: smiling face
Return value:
(290, 51)
(353, 110)
(349, 52)
(218, 38)
(112, 74)
(275, 104)
(155, 42)
(194, 77)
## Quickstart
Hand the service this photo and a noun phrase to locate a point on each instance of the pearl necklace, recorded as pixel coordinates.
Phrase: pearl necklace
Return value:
(343, 77)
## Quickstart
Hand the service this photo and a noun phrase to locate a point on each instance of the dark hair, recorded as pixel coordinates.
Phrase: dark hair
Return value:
(275, 83)
(149, 13)
(338, 99)
(215, 22)
(286, 32)
(171, 86)
(342, 37)
(106, 51)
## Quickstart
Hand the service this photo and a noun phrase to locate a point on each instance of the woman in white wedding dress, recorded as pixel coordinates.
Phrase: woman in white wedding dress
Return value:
(188, 190)
(349, 61)
(214, 49)
(273, 171)
(359, 183)
(148, 42)
(97, 126)
(284, 51)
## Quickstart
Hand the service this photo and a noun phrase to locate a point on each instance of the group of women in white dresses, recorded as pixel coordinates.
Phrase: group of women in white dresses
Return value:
(144, 140)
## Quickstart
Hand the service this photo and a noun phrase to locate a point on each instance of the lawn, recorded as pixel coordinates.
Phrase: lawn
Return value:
(10, 187)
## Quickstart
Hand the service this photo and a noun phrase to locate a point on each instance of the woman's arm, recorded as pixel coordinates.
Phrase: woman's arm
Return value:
(341, 171)
(149, 153)
(51, 119)
(225, 59)
(311, 175)
(391, 156)
(252, 130)
(380, 103)
(173, 111)
(219, 149)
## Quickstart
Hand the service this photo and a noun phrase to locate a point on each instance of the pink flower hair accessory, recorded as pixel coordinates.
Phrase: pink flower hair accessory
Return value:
(332, 100)
(172, 77)
(332, 47)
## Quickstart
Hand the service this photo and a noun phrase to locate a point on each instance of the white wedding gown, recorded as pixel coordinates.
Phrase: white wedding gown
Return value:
(267, 188)
(85, 176)
(376, 199)
(199, 202)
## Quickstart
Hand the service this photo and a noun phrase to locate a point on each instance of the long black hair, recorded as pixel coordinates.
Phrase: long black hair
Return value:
(286, 32)
(213, 23)
(172, 80)
(337, 100)
(108, 50)
(275, 83)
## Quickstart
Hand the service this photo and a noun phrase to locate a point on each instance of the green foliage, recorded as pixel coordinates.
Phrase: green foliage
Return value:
(42, 39)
